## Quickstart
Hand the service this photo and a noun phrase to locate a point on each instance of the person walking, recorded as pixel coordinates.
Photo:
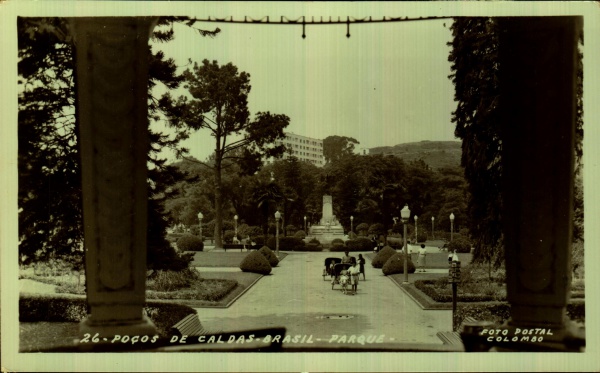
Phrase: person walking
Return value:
(361, 265)
(421, 258)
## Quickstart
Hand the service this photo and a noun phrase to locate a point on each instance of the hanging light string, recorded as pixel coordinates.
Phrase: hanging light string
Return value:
(313, 22)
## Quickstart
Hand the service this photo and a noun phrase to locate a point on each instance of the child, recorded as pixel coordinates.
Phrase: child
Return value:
(354, 272)
(344, 279)
(361, 264)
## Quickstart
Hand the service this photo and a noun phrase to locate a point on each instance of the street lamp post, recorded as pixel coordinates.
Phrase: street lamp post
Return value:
(432, 225)
(200, 216)
(277, 217)
(305, 224)
(235, 219)
(405, 214)
(351, 223)
(451, 225)
(416, 229)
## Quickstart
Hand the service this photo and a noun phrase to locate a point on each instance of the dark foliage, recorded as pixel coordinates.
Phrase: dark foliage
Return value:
(269, 255)
(255, 262)
(382, 257)
(395, 264)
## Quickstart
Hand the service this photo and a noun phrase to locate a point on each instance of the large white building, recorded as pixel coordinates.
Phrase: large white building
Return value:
(304, 148)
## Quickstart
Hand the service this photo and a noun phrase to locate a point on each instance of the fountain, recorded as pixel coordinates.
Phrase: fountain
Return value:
(328, 228)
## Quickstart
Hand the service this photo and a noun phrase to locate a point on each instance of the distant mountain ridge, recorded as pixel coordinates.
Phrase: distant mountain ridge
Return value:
(437, 154)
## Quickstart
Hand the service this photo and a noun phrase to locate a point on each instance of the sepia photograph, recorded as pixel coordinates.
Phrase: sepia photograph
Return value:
(299, 186)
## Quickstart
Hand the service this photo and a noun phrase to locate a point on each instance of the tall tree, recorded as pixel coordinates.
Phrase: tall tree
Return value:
(335, 147)
(50, 210)
(475, 69)
(219, 104)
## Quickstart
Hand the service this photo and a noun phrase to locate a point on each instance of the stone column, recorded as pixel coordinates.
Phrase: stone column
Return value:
(538, 58)
(112, 113)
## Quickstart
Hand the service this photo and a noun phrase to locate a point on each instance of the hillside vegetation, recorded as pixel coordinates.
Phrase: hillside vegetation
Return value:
(437, 154)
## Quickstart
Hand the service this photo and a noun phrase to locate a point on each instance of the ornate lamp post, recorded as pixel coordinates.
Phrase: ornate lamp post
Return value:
(277, 217)
(235, 219)
(416, 229)
(305, 224)
(405, 214)
(432, 225)
(351, 223)
(200, 216)
(451, 225)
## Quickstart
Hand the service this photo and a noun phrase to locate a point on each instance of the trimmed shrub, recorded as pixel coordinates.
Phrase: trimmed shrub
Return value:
(382, 256)
(189, 242)
(313, 247)
(290, 230)
(460, 244)
(336, 241)
(270, 255)
(422, 237)
(377, 229)
(352, 235)
(228, 236)
(362, 229)
(58, 308)
(338, 247)
(286, 243)
(359, 244)
(315, 241)
(395, 241)
(255, 262)
(300, 234)
(395, 264)
(171, 280)
(195, 230)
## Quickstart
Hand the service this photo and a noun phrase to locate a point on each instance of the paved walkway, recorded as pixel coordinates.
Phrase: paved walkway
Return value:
(296, 296)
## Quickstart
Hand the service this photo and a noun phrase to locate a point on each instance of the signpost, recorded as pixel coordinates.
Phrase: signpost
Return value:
(454, 278)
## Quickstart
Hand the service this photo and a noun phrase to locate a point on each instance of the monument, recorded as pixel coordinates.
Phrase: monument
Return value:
(328, 228)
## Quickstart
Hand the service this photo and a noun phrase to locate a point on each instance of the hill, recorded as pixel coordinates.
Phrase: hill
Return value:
(437, 154)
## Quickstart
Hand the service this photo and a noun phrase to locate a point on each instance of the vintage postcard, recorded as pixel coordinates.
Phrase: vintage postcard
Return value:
(299, 186)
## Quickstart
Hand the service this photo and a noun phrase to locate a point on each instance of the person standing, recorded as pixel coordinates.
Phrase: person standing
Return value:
(421, 258)
(346, 258)
(361, 265)
(354, 272)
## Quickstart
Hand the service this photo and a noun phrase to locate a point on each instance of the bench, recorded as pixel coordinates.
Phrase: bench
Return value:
(233, 246)
(190, 325)
(453, 338)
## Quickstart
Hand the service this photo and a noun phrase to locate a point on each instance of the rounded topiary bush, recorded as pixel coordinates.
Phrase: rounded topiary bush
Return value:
(359, 244)
(395, 264)
(338, 247)
(382, 256)
(460, 244)
(362, 229)
(377, 229)
(228, 236)
(286, 243)
(395, 241)
(352, 235)
(190, 242)
(255, 262)
(300, 234)
(422, 237)
(269, 255)
(315, 241)
(337, 241)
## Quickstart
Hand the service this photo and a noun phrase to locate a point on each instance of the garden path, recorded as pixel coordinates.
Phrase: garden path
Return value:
(296, 296)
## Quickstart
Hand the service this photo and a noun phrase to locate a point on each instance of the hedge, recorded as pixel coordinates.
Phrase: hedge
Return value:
(359, 244)
(460, 244)
(426, 287)
(286, 243)
(338, 247)
(300, 234)
(312, 247)
(59, 308)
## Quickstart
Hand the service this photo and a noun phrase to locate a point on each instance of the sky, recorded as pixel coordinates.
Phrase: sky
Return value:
(387, 84)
